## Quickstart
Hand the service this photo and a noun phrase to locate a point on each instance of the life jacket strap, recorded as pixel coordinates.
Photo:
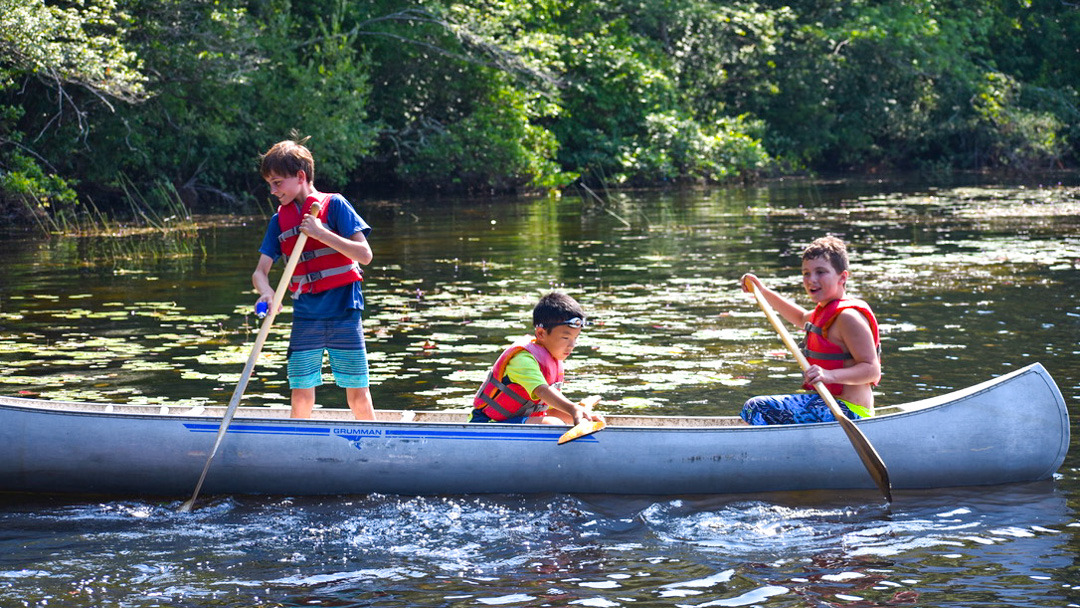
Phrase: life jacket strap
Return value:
(813, 354)
(307, 256)
(811, 328)
(527, 408)
(304, 279)
(288, 234)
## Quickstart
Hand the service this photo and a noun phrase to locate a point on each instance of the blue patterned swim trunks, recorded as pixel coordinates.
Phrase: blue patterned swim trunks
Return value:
(799, 408)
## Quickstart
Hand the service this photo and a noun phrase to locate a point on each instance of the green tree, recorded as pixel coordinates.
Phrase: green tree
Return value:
(98, 96)
(465, 94)
(906, 84)
(229, 81)
(60, 67)
(487, 94)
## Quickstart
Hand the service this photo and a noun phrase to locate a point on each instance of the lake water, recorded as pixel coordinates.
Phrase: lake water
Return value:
(969, 282)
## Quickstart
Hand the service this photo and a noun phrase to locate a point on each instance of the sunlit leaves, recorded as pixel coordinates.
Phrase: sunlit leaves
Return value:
(522, 94)
(497, 146)
(78, 44)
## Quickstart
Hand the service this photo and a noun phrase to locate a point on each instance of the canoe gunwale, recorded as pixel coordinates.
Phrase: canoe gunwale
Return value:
(439, 417)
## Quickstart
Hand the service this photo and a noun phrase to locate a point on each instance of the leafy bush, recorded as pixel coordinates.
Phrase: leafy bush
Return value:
(28, 191)
(496, 147)
(680, 149)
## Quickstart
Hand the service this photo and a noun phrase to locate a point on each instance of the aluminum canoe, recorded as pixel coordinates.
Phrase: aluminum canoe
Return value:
(1013, 428)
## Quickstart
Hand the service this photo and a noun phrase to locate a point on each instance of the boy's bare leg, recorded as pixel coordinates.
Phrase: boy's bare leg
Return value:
(303, 401)
(555, 416)
(360, 403)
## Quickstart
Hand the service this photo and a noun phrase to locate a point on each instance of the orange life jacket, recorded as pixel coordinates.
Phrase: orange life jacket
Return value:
(320, 267)
(820, 351)
(500, 399)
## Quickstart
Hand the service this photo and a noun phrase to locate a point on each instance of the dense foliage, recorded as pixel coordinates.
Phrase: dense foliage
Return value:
(521, 94)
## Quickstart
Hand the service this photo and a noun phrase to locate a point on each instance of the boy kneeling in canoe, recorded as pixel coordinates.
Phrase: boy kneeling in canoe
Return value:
(524, 385)
(842, 343)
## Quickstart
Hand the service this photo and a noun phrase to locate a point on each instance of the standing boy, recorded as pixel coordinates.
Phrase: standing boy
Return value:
(842, 343)
(327, 300)
(525, 383)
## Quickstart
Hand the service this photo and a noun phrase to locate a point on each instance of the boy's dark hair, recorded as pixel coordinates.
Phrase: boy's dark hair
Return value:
(554, 308)
(831, 248)
(287, 158)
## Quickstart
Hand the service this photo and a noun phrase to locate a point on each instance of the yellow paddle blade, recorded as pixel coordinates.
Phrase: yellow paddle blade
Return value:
(588, 427)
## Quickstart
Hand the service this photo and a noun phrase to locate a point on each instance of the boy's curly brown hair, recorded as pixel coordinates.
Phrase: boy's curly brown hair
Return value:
(831, 248)
(287, 158)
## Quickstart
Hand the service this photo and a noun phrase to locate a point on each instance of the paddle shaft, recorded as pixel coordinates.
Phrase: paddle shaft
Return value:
(865, 450)
(264, 331)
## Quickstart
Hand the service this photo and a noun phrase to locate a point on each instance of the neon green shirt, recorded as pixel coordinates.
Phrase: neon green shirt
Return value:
(523, 369)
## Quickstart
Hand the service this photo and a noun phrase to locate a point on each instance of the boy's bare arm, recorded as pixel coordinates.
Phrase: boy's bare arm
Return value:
(554, 398)
(852, 331)
(795, 314)
(356, 247)
(260, 279)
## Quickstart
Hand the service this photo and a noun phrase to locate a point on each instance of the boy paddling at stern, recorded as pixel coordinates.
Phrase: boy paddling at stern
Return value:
(524, 384)
(327, 300)
(842, 343)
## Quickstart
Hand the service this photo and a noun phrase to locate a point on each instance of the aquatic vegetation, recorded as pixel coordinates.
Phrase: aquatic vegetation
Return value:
(952, 273)
(158, 227)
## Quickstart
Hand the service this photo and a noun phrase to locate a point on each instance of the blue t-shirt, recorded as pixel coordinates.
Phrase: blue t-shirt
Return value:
(333, 303)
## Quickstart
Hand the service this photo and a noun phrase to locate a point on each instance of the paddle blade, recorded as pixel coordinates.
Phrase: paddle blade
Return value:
(869, 456)
(588, 427)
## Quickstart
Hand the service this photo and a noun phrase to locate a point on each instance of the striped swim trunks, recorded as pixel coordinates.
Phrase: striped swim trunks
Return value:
(342, 339)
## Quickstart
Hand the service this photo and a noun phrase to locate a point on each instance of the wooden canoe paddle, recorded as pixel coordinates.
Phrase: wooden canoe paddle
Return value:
(585, 427)
(862, 445)
(279, 295)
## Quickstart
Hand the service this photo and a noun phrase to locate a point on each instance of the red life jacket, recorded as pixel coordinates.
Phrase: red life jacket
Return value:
(820, 351)
(500, 399)
(320, 267)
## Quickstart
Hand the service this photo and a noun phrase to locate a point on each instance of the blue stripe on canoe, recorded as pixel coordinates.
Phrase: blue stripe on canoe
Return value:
(251, 429)
(481, 434)
(484, 434)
